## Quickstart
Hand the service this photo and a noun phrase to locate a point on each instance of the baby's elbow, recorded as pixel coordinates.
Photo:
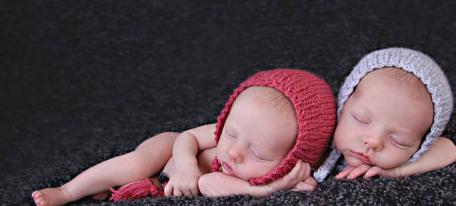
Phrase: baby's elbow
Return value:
(450, 144)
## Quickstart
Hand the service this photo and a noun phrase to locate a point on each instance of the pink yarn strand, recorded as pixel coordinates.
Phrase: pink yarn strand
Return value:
(135, 190)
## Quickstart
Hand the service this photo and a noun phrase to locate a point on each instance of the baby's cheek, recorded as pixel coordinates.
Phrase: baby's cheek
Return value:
(339, 143)
(260, 169)
(342, 135)
(271, 165)
(392, 159)
(219, 149)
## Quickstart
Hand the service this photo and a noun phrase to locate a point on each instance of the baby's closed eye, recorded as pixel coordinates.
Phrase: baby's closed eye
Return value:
(399, 141)
(258, 156)
(361, 119)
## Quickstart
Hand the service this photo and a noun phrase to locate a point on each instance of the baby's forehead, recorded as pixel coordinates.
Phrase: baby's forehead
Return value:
(267, 99)
(267, 93)
(395, 78)
(272, 102)
(394, 75)
(266, 96)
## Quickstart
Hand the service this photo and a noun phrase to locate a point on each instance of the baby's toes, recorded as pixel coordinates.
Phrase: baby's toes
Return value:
(43, 203)
(37, 196)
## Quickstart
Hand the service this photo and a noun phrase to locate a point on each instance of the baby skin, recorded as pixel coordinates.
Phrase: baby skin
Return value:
(113, 172)
(382, 125)
(243, 150)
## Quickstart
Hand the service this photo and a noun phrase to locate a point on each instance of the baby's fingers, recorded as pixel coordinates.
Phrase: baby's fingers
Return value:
(300, 172)
(374, 171)
(194, 191)
(305, 171)
(289, 180)
(168, 189)
(311, 181)
(347, 170)
(187, 192)
(377, 171)
(358, 171)
(177, 192)
(295, 173)
(308, 185)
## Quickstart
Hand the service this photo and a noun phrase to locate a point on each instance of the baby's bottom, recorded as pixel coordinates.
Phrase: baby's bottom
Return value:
(146, 160)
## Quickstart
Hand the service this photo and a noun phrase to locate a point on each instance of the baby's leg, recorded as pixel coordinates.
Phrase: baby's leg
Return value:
(148, 159)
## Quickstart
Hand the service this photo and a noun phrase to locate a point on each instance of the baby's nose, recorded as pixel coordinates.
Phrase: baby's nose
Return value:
(374, 143)
(236, 154)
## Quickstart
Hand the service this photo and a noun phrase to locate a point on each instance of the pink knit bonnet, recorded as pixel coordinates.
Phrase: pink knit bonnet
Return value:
(315, 109)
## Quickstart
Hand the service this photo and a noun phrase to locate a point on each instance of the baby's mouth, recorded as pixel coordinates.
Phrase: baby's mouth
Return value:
(361, 157)
(226, 168)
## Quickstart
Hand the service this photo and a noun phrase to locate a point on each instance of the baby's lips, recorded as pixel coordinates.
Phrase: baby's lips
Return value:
(361, 157)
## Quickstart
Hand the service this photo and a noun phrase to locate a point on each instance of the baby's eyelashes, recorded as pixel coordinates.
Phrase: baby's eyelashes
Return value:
(360, 120)
(230, 135)
(258, 157)
(397, 142)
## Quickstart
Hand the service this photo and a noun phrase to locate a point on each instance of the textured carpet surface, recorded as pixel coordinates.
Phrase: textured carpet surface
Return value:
(83, 81)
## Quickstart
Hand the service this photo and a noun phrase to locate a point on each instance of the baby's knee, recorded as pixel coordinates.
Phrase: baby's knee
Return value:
(171, 135)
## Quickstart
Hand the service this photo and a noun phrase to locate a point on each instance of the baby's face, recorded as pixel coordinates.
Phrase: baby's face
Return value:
(383, 121)
(256, 135)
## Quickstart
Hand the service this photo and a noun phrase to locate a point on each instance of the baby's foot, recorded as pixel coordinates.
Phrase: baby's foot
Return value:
(51, 197)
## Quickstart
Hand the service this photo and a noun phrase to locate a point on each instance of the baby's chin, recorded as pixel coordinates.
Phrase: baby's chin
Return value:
(353, 162)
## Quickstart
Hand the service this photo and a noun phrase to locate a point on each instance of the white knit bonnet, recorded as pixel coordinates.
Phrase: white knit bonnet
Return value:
(423, 67)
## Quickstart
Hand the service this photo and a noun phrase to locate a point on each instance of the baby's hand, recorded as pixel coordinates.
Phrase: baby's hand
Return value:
(309, 184)
(369, 171)
(294, 179)
(350, 172)
(377, 171)
(183, 180)
(219, 184)
(216, 184)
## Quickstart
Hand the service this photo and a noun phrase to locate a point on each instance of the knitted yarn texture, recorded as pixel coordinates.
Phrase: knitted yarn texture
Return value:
(315, 109)
(419, 64)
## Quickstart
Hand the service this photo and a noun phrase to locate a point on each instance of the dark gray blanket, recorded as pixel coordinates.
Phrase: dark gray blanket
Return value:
(83, 81)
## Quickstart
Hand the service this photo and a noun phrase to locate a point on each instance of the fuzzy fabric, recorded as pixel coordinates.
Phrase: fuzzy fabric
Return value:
(83, 81)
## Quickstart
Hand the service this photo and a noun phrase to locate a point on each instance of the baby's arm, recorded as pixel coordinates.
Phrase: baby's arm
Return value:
(219, 184)
(183, 180)
(441, 154)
